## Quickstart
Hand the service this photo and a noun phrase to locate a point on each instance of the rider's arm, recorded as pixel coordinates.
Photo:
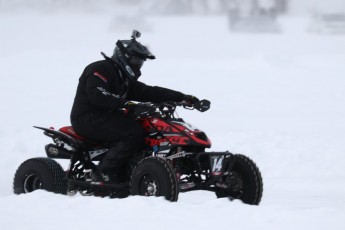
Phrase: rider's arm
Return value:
(145, 93)
(98, 91)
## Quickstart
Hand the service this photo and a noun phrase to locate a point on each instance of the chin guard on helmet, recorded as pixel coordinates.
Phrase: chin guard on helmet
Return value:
(130, 55)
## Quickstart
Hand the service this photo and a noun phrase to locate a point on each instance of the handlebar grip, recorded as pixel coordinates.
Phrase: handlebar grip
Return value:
(202, 105)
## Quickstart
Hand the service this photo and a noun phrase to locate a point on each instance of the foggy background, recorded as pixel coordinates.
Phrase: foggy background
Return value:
(201, 7)
(241, 16)
(273, 70)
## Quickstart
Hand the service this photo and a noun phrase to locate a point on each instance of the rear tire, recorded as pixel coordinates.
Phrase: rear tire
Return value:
(246, 175)
(154, 176)
(39, 173)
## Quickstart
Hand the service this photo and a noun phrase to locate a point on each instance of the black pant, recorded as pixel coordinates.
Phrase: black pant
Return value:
(123, 133)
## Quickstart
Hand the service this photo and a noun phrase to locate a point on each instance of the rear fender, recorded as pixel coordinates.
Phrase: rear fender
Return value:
(61, 138)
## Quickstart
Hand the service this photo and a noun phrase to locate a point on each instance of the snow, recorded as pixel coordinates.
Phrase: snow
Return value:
(277, 98)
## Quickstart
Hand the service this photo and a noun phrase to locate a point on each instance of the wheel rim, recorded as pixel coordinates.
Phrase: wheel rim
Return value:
(32, 183)
(235, 184)
(149, 185)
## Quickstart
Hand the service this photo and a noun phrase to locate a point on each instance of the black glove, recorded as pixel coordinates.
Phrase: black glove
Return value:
(139, 110)
(130, 107)
(190, 99)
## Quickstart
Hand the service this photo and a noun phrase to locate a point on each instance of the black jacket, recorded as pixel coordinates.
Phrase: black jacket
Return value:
(103, 87)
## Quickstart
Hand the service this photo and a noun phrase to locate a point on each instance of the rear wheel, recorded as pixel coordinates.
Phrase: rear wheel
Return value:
(154, 176)
(242, 180)
(39, 173)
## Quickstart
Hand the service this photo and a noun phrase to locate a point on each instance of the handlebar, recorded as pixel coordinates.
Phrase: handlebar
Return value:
(167, 109)
(202, 105)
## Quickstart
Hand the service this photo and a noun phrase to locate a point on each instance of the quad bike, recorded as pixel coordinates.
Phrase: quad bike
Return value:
(174, 160)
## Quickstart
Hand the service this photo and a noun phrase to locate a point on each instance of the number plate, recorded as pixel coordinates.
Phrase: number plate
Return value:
(217, 164)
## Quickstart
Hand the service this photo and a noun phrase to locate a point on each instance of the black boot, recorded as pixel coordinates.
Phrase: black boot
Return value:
(105, 176)
(114, 162)
(112, 170)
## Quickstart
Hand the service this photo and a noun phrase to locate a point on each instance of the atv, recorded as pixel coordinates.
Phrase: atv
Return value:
(174, 160)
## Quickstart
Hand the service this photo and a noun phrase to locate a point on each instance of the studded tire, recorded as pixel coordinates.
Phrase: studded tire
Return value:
(244, 172)
(154, 176)
(39, 173)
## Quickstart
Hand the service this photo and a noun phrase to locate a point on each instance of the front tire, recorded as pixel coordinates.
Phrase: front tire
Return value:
(243, 179)
(154, 176)
(39, 173)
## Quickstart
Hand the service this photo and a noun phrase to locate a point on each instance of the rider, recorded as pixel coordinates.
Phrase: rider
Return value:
(105, 89)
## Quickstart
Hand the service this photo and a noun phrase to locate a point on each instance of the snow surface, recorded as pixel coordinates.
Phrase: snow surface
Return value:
(278, 98)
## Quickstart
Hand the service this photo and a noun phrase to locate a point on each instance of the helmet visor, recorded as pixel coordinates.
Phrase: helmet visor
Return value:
(136, 62)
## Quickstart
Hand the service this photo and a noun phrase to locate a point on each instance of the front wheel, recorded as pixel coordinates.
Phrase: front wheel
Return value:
(39, 173)
(242, 179)
(154, 176)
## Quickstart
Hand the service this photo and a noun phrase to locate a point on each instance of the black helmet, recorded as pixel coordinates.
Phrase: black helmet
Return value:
(130, 55)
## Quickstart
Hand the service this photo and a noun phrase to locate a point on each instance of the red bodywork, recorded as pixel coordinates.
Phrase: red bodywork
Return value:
(163, 133)
(174, 132)
(70, 131)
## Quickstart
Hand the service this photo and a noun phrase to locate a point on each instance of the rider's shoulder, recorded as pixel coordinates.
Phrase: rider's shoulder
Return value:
(97, 64)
